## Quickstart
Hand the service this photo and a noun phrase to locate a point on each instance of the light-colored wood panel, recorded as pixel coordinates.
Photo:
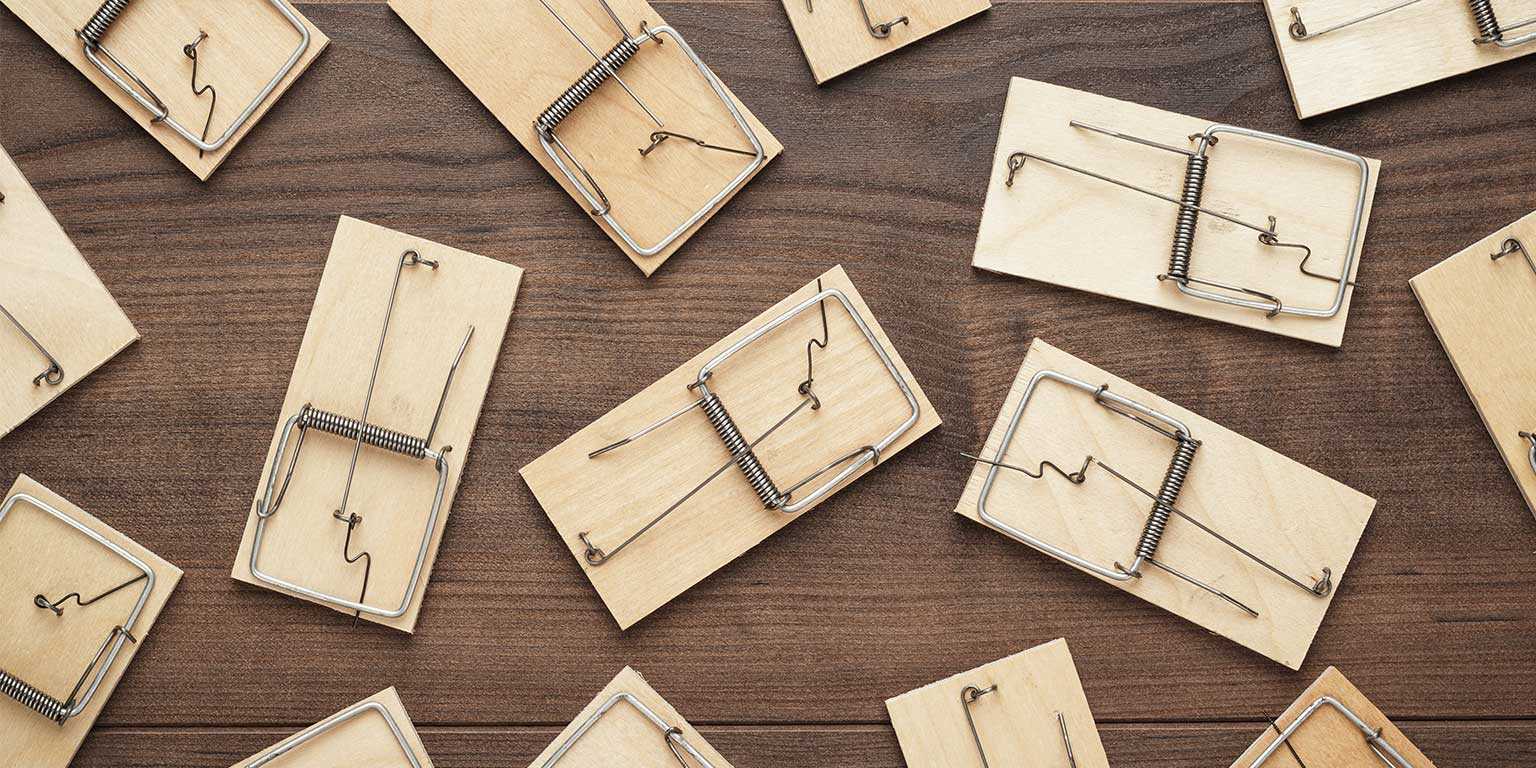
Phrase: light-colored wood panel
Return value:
(651, 194)
(1050, 225)
(1422, 43)
(835, 35)
(359, 736)
(1017, 722)
(1328, 737)
(248, 43)
(41, 555)
(1292, 516)
(51, 290)
(623, 737)
(613, 495)
(393, 493)
(1484, 311)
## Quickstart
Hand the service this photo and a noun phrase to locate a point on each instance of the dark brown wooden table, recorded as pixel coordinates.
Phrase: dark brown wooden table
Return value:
(786, 656)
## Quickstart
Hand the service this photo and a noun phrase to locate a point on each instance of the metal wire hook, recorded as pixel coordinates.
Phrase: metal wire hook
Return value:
(657, 137)
(57, 606)
(190, 51)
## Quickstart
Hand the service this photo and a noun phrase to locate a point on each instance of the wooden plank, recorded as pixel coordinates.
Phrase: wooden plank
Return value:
(1328, 737)
(1049, 225)
(625, 735)
(44, 556)
(835, 35)
(1418, 44)
(1020, 706)
(613, 495)
(1293, 516)
(651, 194)
(373, 733)
(51, 291)
(465, 297)
(1484, 312)
(248, 43)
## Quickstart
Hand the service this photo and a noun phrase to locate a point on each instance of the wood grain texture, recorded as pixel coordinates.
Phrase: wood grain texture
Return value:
(373, 733)
(784, 657)
(1327, 735)
(622, 734)
(836, 38)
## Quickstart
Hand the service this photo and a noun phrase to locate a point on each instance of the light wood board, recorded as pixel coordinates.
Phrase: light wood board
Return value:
(650, 195)
(616, 493)
(1017, 722)
(625, 738)
(1484, 312)
(53, 292)
(363, 741)
(40, 554)
(836, 39)
(1289, 514)
(1051, 224)
(1327, 738)
(393, 493)
(1414, 46)
(248, 42)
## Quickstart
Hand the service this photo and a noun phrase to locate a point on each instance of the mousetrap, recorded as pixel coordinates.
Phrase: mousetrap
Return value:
(57, 321)
(1339, 54)
(376, 426)
(1482, 304)
(1332, 724)
(838, 36)
(650, 156)
(1024, 710)
(1168, 506)
(195, 75)
(629, 724)
(1251, 228)
(77, 601)
(670, 486)
(373, 733)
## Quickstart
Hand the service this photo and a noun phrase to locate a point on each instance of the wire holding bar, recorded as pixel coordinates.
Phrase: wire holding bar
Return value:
(335, 721)
(1490, 30)
(971, 694)
(54, 373)
(879, 31)
(1379, 747)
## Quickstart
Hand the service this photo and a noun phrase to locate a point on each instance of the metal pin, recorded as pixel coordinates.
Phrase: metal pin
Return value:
(611, 71)
(54, 373)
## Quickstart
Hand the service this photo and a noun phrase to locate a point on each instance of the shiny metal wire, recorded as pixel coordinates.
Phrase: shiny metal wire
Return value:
(1379, 747)
(53, 375)
(370, 434)
(971, 694)
(880, 31)
(1491, 32)
(1512, 246)
(294, 742)
(672, 736)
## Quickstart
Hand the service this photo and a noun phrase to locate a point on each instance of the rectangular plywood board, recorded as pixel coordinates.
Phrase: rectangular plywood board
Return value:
(651, 195)
(836, 38)
(1017, 723)
(1286, 513)
(623, 737)
(51, 290)
(361, 738)
(248, 43)
(1050, 225)
(1327, 737)
(1420, 44)
(43, 555)
(1484, 312)
(614, 494)
(393, 493)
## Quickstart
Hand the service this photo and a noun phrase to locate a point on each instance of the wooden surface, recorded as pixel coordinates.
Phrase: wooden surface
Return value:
(365, 740)
(611, 496)
(1291, 515)
(784, 657)
(835, 36)
(624, 737)
(1328, 737)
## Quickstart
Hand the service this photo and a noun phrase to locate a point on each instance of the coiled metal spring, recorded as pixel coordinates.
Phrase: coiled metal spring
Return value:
(31, 698)
(586, 85)
(1189, 217)
(1167, 496)
(1487, 20)
(353, 429)
(737, 444)
(101, 21)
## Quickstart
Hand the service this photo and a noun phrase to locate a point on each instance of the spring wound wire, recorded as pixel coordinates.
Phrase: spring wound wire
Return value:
(971, 694)
(54, 373)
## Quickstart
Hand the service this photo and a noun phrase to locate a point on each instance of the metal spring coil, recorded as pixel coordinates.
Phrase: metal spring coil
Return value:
(376, 436)
(1184, 232)
(102, 20)
(1167, 496)
(1487, 21)
(586, 85)
(737, 444)
(32, 698)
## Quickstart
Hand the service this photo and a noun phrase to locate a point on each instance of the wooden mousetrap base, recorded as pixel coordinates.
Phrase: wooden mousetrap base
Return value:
(1049, 226)
(361, 738)
(54, 293)
(1327, 738)
(248, 43)
(1484, 312)
(651, 194)
(393, 493)
(614, 494)
(623, 735)
(1285, 512)
(43, 555)
(835, 34)
(1017, 722)
(1407, 48)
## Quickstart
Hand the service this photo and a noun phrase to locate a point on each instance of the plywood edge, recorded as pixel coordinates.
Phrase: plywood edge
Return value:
(1348, 742)
(1050, 648)
(389, 699)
